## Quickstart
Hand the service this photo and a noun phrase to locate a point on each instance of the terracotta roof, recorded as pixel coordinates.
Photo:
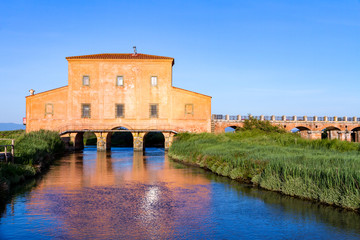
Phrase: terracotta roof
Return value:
(119, 56)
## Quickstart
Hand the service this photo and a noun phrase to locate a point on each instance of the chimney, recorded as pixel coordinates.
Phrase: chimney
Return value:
(135, 51)
(31, 91)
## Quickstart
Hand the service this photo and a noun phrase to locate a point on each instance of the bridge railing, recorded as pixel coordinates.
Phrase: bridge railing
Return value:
(285, 118)
(233, 117)
(218, 117)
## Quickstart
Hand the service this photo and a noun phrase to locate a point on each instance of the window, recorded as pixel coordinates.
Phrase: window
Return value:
(119, 110)
(85, 110)
(49, 109)
(189, 109)
(86, 80)
(154, 111)
(153, 81)
(120, 81)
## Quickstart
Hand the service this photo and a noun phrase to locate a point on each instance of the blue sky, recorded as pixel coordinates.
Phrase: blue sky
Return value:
(261, 57)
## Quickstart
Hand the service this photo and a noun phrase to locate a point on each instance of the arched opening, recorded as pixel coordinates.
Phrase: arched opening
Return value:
(330, 133)
(302, 131)
(295, 130)
(120, 139)
(231, 129)
(89, 139)
(79, 141)
(355, 134)
(154, 140)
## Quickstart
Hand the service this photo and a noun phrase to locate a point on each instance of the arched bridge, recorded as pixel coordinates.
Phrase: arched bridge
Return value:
(343, 128)
(74, 139)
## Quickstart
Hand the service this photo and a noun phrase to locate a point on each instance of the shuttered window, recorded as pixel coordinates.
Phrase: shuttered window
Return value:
(154, 110)
(85, 110)
(119, 110)
(189, 109)
(86, 80)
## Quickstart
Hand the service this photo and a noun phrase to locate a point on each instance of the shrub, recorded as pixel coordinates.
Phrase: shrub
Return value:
(34, 147)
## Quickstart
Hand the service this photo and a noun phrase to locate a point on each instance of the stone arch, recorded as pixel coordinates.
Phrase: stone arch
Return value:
(119, 139)
(355, 134)
(330, 132)
(302, 130)
(78, 141)
(154, 139)
(89, 138)
(231, 128)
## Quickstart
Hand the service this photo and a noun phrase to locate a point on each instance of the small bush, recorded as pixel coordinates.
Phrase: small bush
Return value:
(265, 126)
(34, 147)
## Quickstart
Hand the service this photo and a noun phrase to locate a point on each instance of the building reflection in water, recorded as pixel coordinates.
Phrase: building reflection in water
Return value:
(101, 195)
(121, 194)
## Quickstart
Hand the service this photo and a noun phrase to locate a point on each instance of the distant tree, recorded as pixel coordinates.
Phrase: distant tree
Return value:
(263, 125)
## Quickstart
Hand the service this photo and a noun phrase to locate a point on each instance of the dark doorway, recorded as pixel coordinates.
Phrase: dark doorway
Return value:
(154, 139)
(121, 139)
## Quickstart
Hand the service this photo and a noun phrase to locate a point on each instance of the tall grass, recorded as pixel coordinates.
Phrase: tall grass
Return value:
(9, 135)
(324, 170)
(34, 147)
(32, 151)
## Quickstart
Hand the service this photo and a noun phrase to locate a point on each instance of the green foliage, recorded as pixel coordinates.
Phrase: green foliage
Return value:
(89, 138)
(16, 134)
(265, 126)
(12, 134)
(14, 173)
(324, 170)
(36, 147)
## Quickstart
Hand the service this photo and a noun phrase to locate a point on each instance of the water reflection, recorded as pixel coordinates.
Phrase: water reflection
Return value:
(125, 194)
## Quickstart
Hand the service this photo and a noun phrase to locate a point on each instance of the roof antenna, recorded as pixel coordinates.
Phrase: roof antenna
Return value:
(135, 52)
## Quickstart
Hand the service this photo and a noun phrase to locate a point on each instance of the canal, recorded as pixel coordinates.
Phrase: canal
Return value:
(126, 195)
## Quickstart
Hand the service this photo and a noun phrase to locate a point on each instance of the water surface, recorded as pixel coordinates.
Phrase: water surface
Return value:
(126, 195)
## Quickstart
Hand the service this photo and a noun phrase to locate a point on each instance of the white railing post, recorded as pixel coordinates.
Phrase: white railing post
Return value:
(6, 158)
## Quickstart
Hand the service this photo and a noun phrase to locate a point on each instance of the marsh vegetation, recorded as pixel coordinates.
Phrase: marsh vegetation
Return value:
(322, 170)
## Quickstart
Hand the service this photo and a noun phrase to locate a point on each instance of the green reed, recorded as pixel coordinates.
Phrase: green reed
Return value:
(33, 151)
(324, 170)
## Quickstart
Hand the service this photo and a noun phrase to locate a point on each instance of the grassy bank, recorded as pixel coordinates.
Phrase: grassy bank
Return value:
(33, 152)
(322, 170)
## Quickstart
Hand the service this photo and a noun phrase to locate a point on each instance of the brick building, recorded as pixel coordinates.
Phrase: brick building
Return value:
(108, 91)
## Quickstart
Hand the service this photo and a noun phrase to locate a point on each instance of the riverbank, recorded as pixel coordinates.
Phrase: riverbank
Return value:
(34, 152)
(322, 170)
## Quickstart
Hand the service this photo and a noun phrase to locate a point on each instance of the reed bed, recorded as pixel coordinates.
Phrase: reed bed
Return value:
(33, 151)
(322, 170)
